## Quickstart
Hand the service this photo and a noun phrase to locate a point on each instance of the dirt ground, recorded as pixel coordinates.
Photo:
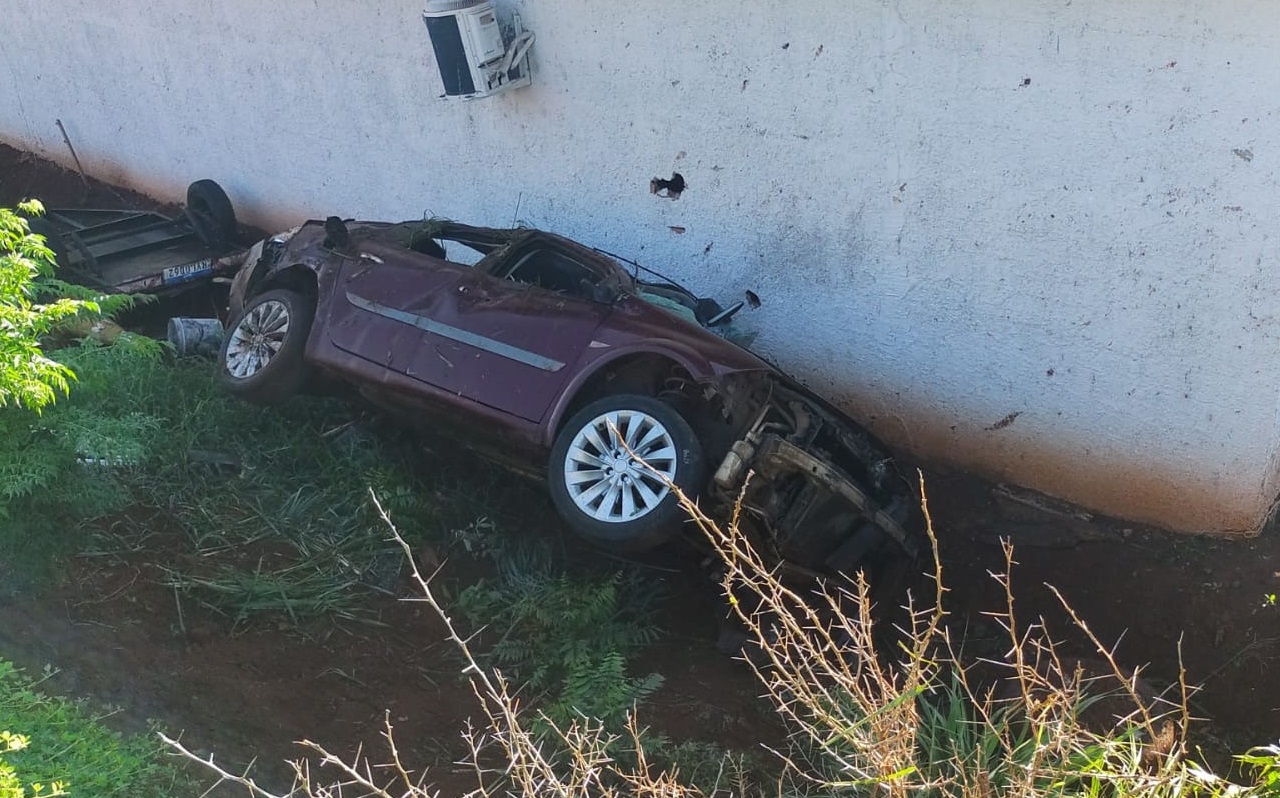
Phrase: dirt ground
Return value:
(117, 636)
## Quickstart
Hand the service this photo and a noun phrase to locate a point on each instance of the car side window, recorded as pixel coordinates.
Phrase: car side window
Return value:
(430, 239)
(552, 271)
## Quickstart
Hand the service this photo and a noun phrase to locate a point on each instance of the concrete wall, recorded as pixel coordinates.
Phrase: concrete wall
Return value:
(1033, 238)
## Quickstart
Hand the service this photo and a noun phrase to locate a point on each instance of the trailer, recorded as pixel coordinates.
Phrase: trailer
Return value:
(132, 251)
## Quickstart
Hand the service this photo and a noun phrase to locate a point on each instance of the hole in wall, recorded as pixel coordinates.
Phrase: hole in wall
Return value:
(671, 189)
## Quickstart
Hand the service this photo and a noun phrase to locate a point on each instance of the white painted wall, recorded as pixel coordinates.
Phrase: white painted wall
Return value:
(955, 213)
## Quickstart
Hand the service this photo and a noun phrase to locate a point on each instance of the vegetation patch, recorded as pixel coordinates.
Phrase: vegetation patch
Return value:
(42, 444)
(567, 634)
(52, 744)
(265, 503)
(903, 720)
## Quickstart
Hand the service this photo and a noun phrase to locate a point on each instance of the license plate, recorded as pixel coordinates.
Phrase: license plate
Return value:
(187, 271)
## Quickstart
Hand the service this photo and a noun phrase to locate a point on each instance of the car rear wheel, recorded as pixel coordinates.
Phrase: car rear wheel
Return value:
(261, 357)
(613, 466)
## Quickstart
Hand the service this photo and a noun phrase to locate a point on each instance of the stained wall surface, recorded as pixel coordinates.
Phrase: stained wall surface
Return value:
(1034, 238)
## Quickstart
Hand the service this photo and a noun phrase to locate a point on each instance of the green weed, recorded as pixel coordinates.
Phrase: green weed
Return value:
(567, 634)
(64, 742)
(262, 500)
(1264, 761)
(70, 463)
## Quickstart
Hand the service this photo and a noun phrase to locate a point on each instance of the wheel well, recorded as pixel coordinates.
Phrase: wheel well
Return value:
(639, 374)
(295, 278)
(651, 375)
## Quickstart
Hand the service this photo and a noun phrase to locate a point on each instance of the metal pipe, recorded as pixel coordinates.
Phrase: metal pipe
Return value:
(83, 178)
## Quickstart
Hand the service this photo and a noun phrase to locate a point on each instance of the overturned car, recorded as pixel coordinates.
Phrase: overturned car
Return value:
(555, 359)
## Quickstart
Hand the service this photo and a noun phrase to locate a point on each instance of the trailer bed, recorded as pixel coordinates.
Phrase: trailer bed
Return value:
(130, 251)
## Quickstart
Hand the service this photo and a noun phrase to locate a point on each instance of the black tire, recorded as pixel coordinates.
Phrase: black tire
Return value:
(210, 213)
(52, 239)
(662, 519)
(271, 368)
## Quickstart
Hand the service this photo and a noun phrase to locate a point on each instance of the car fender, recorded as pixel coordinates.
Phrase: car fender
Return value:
(251, 266)
(256, 269)
(700, 368)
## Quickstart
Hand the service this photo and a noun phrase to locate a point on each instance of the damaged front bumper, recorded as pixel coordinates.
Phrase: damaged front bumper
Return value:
(255, 264)
(823, 492)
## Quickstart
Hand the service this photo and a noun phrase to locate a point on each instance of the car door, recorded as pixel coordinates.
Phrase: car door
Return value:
(510, 331)
(378, 283)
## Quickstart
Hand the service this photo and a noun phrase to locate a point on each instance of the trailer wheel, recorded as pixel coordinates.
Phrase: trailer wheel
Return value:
(210, 213)
(52, 239)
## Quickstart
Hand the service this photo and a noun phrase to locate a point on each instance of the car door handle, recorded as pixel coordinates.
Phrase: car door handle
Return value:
(472, 291)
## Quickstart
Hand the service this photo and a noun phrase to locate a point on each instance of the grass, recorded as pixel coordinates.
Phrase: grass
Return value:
(261, 515)
(567, 632)
(903, 720)
(66, 743)
(266, 504)
(268, 520)
(266, 517)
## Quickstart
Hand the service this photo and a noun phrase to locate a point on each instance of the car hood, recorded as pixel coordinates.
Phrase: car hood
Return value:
(641, 319)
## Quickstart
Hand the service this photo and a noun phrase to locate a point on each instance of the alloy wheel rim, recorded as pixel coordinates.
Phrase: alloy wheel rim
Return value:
(620, 465)
(257, 338)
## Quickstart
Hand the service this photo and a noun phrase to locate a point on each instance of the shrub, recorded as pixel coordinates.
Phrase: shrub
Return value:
(27, 377)
(33, 304)
(11, 785)
(48, 481)
(63, 746)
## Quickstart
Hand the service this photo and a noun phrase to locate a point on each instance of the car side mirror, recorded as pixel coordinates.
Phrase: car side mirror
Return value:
(725, 315)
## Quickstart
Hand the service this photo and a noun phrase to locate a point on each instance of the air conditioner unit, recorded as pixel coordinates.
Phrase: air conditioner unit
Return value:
(474, 59)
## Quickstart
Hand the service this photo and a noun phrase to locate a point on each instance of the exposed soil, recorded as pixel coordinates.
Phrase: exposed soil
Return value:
(117, 636)
(1146, 592)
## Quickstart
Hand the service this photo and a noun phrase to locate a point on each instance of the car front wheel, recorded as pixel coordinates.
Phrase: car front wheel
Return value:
(613, 467)
(261, 357)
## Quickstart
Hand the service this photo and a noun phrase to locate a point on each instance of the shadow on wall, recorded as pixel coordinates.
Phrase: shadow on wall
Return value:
(1129, 487)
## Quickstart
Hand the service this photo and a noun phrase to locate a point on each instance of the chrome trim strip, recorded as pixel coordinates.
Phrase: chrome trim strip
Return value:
(454, 334)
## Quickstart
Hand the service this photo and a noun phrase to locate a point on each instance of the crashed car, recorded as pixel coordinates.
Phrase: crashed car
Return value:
(554, 358)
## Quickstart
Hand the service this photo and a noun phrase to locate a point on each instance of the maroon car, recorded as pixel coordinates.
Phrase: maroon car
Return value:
(552, 357)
